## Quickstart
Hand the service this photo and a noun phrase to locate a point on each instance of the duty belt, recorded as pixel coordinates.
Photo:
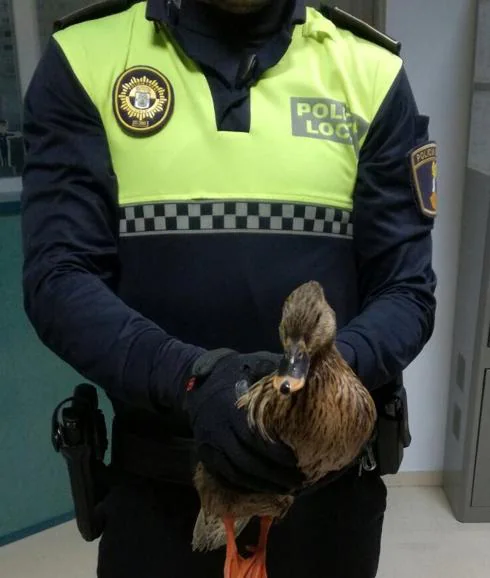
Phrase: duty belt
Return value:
(170, 459)
(174, 459)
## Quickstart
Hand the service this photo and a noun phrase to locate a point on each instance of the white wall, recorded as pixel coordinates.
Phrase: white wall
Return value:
(438, 38)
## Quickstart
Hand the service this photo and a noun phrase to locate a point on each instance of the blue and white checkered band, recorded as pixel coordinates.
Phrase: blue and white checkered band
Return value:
(234, 217)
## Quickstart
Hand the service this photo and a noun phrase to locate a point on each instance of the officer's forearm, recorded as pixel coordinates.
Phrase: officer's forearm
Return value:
(79, 318)
(387, 336)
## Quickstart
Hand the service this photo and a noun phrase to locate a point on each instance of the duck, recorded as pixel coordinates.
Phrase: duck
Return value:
(314, 403)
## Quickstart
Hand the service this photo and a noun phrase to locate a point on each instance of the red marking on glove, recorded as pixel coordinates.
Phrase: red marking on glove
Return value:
(189, 386)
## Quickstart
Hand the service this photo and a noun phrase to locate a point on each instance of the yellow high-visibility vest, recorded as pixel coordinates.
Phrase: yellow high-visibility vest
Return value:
(310, 113)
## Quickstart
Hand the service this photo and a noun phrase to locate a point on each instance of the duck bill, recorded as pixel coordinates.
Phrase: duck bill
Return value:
(292, 371)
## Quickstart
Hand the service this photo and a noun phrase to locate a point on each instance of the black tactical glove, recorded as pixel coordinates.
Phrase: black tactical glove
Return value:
(227, 447)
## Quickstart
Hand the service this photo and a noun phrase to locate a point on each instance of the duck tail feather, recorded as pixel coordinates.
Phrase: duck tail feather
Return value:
(209, 532)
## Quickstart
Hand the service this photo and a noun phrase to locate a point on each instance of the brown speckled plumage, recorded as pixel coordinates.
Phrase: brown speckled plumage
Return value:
(326, 423)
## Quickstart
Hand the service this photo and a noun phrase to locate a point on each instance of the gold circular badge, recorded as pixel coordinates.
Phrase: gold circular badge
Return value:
(143, 100)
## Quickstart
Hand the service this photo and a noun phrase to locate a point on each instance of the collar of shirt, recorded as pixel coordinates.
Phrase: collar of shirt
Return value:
(170, 11)
(219, 41)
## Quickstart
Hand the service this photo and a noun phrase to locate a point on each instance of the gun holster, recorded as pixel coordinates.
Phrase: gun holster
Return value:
(80, 435)
(392, 434)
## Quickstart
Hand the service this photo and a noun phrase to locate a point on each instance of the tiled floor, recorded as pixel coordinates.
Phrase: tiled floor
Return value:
(421, 540)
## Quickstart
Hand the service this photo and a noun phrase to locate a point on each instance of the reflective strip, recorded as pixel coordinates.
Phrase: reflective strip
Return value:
(216, 217)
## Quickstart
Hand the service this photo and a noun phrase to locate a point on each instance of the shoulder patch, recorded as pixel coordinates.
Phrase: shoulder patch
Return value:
(343, 19)
(423, 168)
(93, 12)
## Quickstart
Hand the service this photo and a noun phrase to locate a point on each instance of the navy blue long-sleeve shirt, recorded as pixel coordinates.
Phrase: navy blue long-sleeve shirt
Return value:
(132, 314)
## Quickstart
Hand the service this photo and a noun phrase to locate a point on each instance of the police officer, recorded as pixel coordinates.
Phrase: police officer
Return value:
(189, 164)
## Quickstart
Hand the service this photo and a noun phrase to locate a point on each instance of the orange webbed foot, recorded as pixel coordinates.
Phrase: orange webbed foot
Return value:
(253, 567)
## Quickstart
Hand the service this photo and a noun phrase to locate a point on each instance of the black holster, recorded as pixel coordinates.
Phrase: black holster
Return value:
(80, 435)
(392, 434)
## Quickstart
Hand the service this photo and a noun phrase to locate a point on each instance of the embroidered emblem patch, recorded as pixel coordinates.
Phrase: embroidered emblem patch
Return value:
(423, 164)
(143, 100)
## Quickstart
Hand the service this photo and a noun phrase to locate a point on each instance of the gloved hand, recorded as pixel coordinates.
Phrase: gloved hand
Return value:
(228, 448)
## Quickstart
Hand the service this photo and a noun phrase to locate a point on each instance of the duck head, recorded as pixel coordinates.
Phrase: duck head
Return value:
(307, 330)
